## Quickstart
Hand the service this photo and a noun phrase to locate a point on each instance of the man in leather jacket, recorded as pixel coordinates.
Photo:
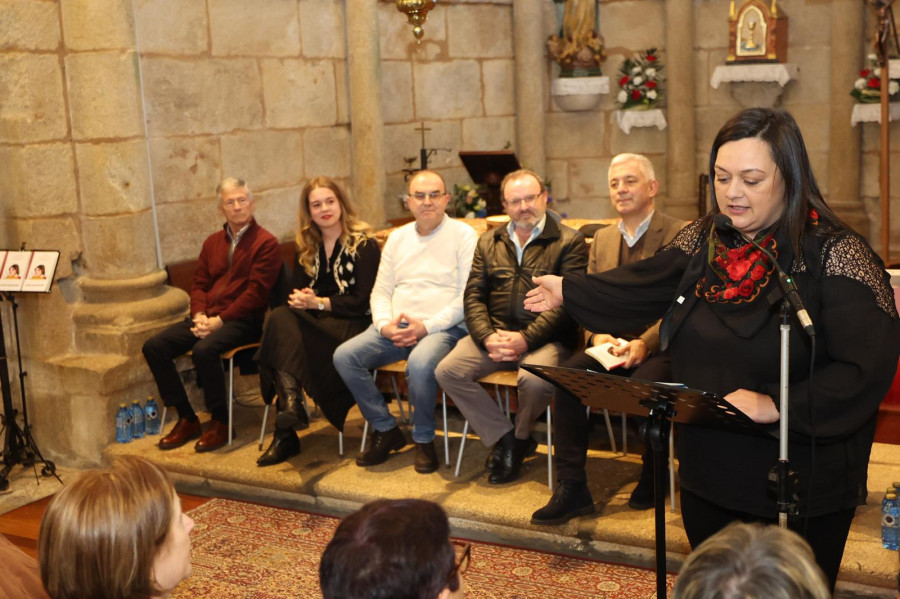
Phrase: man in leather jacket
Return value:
(502, 334)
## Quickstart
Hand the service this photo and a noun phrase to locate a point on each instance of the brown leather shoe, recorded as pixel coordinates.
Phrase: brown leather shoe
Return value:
(184, 430)
(214, 437)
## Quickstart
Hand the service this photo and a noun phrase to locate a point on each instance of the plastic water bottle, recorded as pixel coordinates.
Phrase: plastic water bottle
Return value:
(151, 416)
(123, 424)
(137, 420)
(890, 521)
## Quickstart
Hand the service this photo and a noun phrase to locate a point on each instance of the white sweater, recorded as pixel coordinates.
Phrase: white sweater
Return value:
(424, 276)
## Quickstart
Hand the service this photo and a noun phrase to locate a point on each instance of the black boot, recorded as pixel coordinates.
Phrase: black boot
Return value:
(642, 496)
(285, 444)
(291, 413)
(570, 499)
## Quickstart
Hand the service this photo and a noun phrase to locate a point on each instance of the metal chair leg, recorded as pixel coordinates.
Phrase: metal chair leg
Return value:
(446, 435)
(462, 448)
(230, 399)
(403, 417)
(340, 444)
(162, 420)
(672, 466)
(550, 446)
(624, 435)
(262, 429)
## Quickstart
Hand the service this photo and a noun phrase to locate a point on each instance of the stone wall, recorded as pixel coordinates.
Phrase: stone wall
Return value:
(118, 118)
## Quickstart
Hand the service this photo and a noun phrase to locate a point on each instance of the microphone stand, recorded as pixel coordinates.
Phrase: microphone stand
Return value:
(785, 479)
(781, 476)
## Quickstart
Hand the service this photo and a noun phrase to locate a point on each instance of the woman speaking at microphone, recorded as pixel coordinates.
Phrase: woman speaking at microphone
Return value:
(720, 297)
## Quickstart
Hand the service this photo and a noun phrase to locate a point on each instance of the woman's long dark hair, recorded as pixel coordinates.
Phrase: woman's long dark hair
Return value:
(778, 129)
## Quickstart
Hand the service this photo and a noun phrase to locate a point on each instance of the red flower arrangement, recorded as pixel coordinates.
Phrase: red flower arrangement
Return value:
(640, 81)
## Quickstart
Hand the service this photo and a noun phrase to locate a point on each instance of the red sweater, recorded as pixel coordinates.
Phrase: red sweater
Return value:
(242, 291)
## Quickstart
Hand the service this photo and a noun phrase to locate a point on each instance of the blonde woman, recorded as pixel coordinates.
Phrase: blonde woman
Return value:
(334, 271)
(752, 560)
(117, 533)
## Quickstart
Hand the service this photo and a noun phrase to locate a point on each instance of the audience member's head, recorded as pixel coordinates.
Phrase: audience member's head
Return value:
(752, 561)
(524, 198)
(427, 198)
(115, 533)
(236, 202)
(632, 186)
(392, 548)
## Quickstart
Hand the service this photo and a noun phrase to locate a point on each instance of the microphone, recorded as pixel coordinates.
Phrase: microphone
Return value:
(724, 223)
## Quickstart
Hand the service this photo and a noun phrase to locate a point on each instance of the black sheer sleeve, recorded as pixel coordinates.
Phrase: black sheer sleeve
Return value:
(627, 298)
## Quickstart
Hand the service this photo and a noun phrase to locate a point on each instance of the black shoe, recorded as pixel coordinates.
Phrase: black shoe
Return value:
(493, 460)
(570, 499)
(492, 463)
(426, 458)
(642, 496)
(382, 445)
(285, 444)
(512, 455)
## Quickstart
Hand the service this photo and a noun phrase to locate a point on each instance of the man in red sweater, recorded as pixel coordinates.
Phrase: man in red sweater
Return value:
(237, 269)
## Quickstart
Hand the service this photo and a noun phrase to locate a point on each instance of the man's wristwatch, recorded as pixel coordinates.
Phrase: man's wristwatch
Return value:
(321, 305)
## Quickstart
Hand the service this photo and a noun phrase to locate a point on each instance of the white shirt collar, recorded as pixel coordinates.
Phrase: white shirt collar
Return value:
(638, 233)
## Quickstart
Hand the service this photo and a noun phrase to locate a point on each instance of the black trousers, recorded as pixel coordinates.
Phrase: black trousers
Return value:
(161, 350)
(570, 421)
(826, 534)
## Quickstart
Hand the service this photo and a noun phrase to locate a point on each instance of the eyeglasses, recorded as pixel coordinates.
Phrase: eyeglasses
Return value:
(463, 557)
(434, 196)
(243, 201)
(528, 200)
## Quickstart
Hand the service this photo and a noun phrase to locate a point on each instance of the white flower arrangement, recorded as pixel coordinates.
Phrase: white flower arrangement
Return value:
(641, 81)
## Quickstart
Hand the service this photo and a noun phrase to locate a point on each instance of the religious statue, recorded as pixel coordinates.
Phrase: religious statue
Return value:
(578, 48)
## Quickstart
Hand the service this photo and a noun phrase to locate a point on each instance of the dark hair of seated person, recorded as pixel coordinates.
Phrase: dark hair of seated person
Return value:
(390, 548)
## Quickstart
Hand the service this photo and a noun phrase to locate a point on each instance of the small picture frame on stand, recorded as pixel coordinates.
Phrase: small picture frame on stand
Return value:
(27, 271)
(757, 32)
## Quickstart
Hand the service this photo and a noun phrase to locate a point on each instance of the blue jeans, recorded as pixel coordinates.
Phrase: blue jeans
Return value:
(354, 358)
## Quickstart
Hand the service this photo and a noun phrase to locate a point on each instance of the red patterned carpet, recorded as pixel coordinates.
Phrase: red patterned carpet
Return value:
(257, 552)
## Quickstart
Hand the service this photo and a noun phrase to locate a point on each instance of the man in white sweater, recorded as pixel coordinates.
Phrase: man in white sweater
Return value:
(417, 316)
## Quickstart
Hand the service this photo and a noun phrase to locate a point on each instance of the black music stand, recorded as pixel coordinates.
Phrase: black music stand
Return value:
(661, 404)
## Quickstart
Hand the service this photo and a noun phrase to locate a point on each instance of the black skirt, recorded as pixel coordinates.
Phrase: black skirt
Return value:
(302, 342)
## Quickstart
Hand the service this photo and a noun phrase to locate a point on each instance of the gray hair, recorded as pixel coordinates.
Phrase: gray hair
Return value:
(643, 163)
(752, 560)
(230, 183)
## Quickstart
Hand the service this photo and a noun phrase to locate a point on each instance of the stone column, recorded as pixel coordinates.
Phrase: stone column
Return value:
(681, 170)
(366, 120)
(847, 23)
(85, 178)
(530, 65)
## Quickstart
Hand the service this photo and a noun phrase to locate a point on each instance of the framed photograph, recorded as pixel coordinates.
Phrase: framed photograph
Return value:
(28, 271)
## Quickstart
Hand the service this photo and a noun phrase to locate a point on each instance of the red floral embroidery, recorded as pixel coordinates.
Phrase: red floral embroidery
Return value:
(740, 272)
